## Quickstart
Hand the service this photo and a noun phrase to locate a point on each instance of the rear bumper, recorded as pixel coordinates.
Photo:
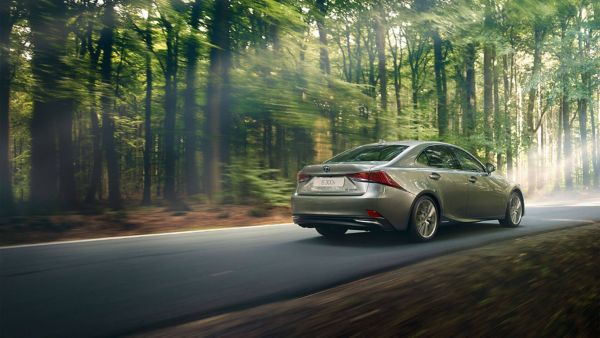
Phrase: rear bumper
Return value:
(351, 211)
(356, 222)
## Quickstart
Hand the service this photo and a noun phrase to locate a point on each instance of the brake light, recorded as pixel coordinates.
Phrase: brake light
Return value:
(380, 177)
(303, 177)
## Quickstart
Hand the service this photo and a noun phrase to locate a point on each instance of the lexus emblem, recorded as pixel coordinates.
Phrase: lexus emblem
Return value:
(326, 168)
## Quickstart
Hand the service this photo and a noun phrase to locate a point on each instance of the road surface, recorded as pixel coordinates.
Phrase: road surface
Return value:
(120, 286)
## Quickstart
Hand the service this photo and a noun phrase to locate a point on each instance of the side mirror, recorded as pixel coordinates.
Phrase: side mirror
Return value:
(490, 168)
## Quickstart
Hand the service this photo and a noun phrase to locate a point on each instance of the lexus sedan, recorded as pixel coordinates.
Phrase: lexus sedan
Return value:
(403, 186)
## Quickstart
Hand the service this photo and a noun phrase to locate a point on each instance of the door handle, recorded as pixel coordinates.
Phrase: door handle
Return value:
(435, 176)
(472, 179)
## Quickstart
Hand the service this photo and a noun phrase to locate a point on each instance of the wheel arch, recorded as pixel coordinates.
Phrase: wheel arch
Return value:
(431, 194)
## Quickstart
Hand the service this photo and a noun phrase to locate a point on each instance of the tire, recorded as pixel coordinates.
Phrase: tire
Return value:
(424, 220)
(514, 211)
(328, 231)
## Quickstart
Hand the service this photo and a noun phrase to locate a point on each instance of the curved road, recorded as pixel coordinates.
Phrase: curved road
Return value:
(120, 286)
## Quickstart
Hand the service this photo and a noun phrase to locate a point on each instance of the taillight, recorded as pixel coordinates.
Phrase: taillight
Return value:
(303, 177)
(380, 177)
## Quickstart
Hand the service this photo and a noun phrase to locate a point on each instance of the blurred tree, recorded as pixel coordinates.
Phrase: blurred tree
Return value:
(273, 85)
(8, 12)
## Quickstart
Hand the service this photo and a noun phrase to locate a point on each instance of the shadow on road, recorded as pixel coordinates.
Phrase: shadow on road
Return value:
(448, 231)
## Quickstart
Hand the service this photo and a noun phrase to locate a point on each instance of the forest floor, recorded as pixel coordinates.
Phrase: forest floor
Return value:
(134, 221)
(160, 218)
(545, 285)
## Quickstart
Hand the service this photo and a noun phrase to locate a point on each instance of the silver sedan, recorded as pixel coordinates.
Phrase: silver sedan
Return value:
(404, 185)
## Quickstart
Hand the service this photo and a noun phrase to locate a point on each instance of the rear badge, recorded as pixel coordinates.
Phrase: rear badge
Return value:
(326, 168)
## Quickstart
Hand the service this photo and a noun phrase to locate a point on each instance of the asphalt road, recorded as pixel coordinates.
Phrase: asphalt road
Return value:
(120, 286)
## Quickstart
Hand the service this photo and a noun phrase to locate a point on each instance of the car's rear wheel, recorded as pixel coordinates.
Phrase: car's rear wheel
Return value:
(514, 211)
(424, 219)
(330, 231)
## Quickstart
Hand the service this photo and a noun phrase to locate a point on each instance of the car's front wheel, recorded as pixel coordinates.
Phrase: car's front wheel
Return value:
(331, 231)
(424, 220)
(514, 211)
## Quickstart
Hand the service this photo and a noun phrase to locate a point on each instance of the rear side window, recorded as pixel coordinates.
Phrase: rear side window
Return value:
(438, 157)
(372, 153)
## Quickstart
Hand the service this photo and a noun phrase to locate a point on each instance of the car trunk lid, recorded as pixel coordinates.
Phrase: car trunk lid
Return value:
(332, 179)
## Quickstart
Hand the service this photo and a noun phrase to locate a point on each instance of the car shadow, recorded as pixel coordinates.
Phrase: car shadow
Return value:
(447, 231)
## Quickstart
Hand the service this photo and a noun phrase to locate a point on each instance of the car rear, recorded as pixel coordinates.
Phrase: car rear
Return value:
(353, 194)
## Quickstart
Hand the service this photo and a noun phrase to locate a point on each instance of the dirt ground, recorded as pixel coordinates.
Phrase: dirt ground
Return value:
(545, 285)
(134, 221)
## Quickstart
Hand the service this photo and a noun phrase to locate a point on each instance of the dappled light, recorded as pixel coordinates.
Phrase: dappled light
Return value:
(173, 168)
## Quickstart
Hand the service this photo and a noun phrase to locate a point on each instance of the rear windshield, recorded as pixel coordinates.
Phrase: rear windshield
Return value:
(371, 153)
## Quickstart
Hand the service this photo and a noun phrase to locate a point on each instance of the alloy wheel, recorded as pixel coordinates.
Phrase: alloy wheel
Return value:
(426, 218)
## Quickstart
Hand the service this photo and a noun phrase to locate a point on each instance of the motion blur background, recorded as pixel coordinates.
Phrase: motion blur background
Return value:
(117, 102)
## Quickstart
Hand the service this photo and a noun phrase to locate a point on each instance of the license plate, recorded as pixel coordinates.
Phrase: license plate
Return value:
(328, 182)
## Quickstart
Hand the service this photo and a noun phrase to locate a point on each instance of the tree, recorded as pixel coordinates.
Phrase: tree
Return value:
(469, 90)
(148, 137)
(108, 125)
(381, 59)
(259, 90)
(216, 140)
(440, 83)
(7, 11)
(96, 172)
(47, 20)
(190, 105)
(397, 56)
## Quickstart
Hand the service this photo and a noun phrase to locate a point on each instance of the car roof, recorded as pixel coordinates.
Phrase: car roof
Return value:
(409, 143)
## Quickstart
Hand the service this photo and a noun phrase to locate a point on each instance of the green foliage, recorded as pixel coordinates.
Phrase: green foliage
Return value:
(250, 184)
(286, 111)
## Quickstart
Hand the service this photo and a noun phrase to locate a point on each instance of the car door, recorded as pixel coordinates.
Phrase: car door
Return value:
(486, 194)
(444, 176)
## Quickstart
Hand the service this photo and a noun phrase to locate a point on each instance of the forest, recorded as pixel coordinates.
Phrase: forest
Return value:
(126, 102)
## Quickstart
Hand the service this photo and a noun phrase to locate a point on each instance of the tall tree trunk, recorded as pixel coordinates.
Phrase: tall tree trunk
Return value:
(381, 67)
(170, 110)
(567, 148)
(48, 35)
(595, 154)
(565, 108)
(469, 127)
(108, 125)
(6, 195)
(324, 65)
(498, 121)
(281, 158)
(94, 187)
(323, 50)
(488, 98)
(148, 137)
(582, 104)
(559, 147)
(190, 108)
(440, 83)
(531, 138)
(507, 116)
(585, 160)
(96, 176)
(66, 178)
(397, 52)
(217, 110)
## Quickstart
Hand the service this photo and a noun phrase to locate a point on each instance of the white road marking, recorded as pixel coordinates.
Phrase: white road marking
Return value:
(565, 220)
(216, 274)
(136, 236)
(536, 205)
